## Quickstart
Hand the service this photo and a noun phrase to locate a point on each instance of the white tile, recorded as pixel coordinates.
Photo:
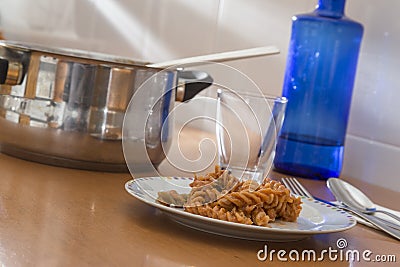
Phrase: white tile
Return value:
(375, 109)
(372, 162)
(266, 72)
(108, 26)
(116, 27)
(243, 24)
(181, 28)
(149, 30)
(9, 11)
(44, 16)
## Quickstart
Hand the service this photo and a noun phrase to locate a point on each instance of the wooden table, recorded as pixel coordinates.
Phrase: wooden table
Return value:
(52, 216)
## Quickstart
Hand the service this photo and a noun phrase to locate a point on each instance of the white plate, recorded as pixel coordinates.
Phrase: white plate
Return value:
(315, 218)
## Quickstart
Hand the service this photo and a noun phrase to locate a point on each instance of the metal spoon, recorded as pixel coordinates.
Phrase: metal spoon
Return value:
(341, 192)
(352, 197)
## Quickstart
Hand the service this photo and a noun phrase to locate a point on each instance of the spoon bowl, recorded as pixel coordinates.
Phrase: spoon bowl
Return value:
(352, 197)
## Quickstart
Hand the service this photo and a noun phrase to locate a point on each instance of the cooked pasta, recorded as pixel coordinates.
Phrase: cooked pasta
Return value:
(222, 196)
(172, 198)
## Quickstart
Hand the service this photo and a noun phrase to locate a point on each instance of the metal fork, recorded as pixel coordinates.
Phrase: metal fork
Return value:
(297, 188)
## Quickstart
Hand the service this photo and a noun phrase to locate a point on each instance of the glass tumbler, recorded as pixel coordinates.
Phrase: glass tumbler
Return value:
(247, 127)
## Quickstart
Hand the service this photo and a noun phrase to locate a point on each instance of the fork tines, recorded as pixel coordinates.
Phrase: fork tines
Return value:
(296, 187)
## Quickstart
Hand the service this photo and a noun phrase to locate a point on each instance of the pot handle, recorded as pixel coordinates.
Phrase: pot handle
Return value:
(3, 70)
(190, 83)
(11, 72)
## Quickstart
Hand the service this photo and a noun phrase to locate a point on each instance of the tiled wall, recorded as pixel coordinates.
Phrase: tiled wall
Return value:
(156, 30)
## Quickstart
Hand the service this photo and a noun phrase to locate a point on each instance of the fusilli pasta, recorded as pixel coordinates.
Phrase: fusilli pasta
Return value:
(220, 195)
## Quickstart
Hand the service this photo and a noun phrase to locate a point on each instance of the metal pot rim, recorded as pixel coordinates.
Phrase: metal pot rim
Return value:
(75, 53)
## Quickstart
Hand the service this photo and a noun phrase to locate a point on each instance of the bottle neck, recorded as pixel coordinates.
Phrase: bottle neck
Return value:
(331, 8)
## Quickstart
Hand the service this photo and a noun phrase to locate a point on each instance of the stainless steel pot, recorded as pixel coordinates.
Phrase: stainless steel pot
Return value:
(65, 107)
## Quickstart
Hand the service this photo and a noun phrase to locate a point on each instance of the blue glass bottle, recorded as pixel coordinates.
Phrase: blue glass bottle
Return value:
(319, 79)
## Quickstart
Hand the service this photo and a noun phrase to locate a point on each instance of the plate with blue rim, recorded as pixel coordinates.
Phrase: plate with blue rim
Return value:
(315, 218)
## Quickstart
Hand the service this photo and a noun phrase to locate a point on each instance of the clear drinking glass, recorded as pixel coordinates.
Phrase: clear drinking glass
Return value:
(247, 128)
